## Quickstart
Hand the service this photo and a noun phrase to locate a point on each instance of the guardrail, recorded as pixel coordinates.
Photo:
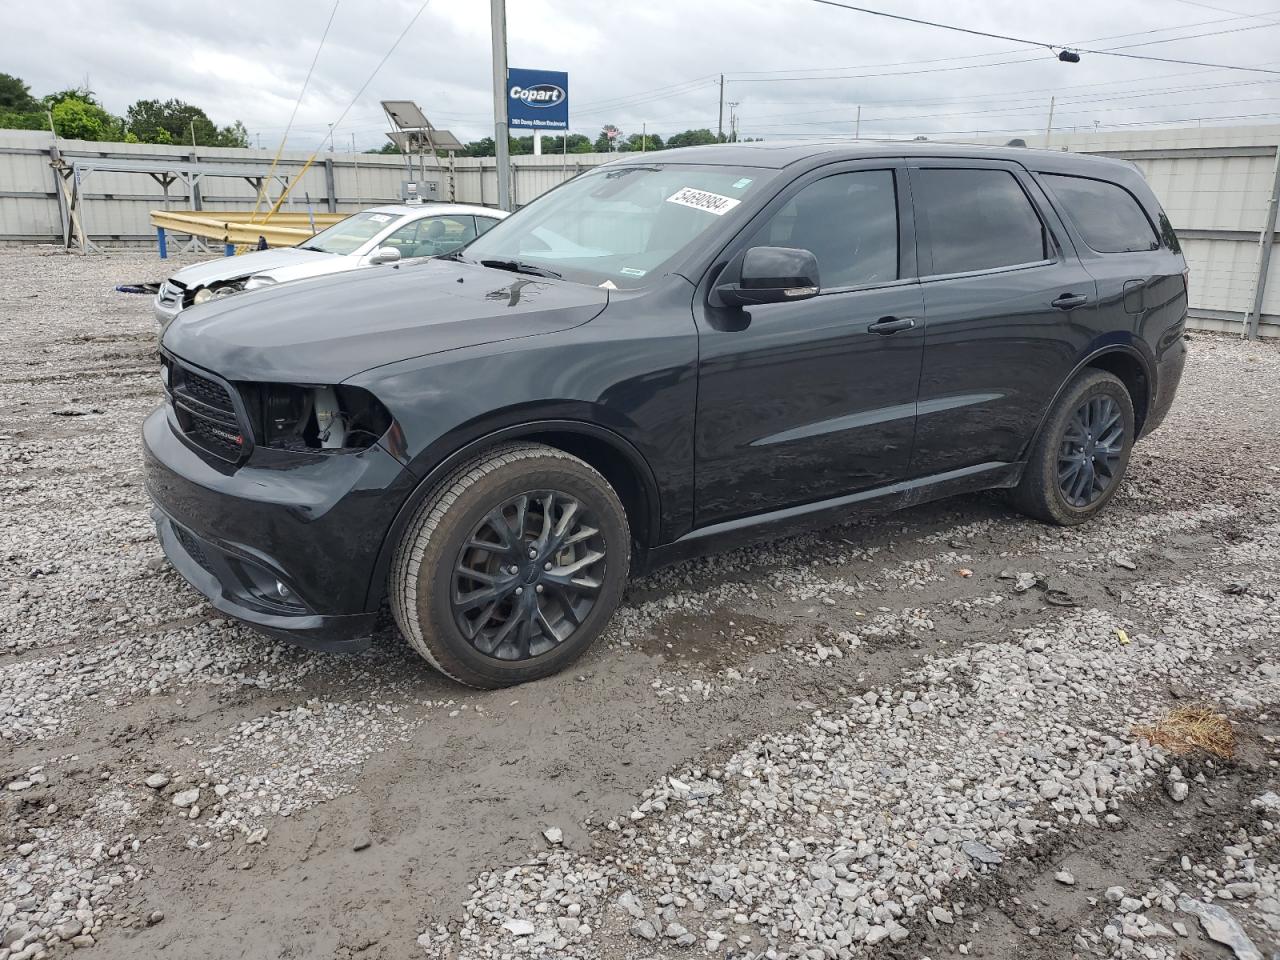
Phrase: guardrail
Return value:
(236, 227)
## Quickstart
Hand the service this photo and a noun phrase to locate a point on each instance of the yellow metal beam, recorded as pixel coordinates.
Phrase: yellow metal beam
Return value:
(236, 226)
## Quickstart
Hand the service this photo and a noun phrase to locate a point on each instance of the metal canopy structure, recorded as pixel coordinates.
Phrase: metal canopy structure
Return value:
(72, 176)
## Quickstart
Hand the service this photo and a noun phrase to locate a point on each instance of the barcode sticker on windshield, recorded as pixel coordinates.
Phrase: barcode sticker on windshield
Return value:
(702, 200)
(379, 217)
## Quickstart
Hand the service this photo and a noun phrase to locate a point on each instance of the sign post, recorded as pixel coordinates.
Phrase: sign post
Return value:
(498, 20)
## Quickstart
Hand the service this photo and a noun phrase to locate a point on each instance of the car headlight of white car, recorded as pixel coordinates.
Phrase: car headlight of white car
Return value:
(217, 291)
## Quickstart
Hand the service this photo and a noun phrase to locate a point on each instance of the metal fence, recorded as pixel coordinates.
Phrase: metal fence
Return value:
(1217, 184)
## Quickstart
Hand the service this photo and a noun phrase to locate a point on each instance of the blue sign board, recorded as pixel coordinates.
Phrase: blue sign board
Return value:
(537, 99)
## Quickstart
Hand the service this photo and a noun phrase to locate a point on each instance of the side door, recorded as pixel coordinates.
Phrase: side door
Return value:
(799, 402)
(1139, 277)
(1008, 309)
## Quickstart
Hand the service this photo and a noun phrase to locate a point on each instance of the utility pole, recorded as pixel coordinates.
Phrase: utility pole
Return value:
(193, 133)
(644, 136)
(498, 19)
(857, 124)
(733, 121)
(1048, 130)
(720, 124)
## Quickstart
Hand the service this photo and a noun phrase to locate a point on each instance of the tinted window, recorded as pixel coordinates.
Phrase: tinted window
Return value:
(848, 221)
(978, 220)
(1107, 216)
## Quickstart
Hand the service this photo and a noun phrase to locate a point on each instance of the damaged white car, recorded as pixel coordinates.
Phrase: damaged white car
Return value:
(395, 233)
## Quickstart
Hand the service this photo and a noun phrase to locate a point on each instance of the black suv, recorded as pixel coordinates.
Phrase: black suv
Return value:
(660, 355)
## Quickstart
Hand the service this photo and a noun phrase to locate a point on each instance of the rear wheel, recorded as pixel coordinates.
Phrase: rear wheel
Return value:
(1081, 456)
(512, 567)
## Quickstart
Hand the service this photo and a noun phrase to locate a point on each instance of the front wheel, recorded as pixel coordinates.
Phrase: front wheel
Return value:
(512, 567)
(1081, 455)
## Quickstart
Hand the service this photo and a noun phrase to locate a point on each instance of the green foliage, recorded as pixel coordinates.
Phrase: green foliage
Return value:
(15, 96)
(83, 94)
(387, 147)
(80, 120)
(692, 138)
(173, 121)
(12, 120)
(640, 142)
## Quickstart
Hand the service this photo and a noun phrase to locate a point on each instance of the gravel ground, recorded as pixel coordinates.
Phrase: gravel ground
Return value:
(912, 737)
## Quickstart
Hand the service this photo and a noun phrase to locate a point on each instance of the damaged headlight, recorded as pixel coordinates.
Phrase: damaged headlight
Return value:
(320, 418)
(217, 291)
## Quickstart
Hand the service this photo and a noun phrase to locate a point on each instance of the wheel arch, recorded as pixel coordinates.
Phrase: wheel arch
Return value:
(1128, 364)
(608, 452)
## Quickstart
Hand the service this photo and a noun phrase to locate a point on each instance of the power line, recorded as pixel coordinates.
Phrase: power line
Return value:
(1055, 48)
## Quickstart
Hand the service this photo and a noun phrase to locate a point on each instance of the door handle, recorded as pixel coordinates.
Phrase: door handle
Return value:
(887, 325)
(1069, 301)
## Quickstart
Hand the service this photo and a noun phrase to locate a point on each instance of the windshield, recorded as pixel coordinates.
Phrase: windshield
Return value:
(349, 235)
(617, 225)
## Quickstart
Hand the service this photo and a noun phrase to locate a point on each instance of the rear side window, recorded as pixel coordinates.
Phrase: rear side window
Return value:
(1107, 215)
(979, 220)
(849, 221)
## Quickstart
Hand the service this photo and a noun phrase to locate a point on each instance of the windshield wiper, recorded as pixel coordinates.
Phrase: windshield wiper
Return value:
(519, 266)
(307, 246)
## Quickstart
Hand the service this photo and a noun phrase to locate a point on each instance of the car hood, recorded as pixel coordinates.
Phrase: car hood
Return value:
(231, 268)
(330, 328)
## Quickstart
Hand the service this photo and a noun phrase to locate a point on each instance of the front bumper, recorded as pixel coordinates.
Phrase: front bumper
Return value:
(314, 525)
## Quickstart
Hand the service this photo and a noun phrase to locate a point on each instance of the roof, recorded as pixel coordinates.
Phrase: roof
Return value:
(436, 209)
(783, 153)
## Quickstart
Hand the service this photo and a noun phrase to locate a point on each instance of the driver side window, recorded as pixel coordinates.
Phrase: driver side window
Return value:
(432, 236)
(849, 221)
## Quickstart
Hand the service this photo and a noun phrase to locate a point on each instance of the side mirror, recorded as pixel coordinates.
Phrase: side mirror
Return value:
(385, 255)
(768, 275)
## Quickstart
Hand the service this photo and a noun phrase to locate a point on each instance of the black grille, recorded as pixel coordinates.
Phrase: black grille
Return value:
(206, 412)
(191, 545)
(207, 391)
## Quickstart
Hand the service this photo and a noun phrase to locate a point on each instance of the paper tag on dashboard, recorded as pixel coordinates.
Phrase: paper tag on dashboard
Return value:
(703, 200)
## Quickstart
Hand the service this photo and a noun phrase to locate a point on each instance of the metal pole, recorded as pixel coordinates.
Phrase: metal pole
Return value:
(857, 124)
(720, 124)
(498, 17)
(1254, 317)
(1048, 129)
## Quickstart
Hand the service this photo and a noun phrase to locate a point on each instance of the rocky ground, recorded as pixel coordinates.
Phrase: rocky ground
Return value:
(947, 732)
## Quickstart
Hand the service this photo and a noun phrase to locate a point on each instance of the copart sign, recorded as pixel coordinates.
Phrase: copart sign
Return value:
(537, 99)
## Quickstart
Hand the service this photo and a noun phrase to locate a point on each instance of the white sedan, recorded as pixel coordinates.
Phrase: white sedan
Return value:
(395, 233)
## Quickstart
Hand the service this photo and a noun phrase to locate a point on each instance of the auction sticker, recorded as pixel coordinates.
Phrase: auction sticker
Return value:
(703, 200)
(379, 217)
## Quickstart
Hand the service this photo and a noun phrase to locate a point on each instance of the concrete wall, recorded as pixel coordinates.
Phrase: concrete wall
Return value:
(1214, 182)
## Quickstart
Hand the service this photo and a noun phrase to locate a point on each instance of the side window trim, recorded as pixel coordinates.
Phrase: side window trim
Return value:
(1037, 199)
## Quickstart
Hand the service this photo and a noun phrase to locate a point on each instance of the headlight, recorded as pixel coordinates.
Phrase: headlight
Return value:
(203, 294)
(217, 291)
(291, 417)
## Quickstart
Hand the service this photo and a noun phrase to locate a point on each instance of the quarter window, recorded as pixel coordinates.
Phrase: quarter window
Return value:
(1107, 215)
(849, 221)
(978, 220)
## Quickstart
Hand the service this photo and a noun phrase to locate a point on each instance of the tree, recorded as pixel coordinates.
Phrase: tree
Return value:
(174, 121)
(15, 96)
(388, 147)
(83, 94)
(691, 138)
(639, 142)
(80, 120)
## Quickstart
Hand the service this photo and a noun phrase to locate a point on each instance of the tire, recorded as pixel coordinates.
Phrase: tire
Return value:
(472, 539)
(1044, 493)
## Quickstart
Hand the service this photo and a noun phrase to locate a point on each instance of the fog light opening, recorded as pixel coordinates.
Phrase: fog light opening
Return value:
(282, 591)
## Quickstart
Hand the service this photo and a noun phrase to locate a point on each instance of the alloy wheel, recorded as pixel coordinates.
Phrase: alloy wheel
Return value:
(528, 575)
(1091, 452)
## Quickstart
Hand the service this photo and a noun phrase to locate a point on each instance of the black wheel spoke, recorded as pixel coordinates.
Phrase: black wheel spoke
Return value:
(528, 575)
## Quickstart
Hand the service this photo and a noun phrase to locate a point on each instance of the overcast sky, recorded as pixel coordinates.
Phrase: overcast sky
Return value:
(657, 62)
